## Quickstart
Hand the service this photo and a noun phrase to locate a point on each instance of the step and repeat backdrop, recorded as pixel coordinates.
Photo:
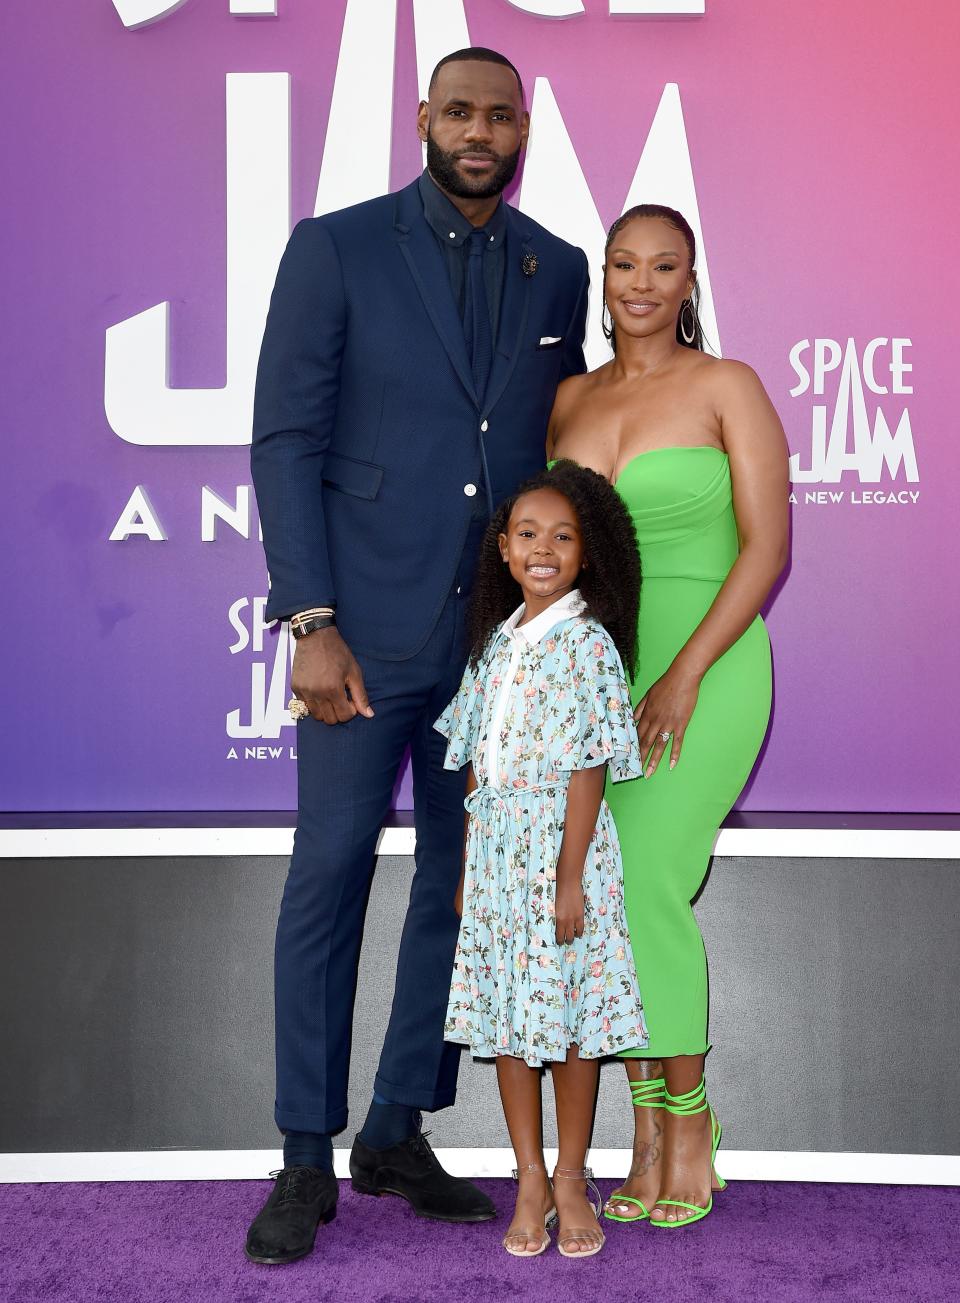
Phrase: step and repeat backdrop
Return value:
(157, 157)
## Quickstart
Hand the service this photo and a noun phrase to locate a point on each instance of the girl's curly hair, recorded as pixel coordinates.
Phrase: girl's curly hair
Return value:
(610, 582)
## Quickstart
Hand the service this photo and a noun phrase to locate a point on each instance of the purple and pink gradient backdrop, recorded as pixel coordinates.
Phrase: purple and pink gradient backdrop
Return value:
(822, 138)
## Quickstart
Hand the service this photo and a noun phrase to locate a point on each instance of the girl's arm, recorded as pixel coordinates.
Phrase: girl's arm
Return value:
(755, 444)
(584, 794)
(458, 895)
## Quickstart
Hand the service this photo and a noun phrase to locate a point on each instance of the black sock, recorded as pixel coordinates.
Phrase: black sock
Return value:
(389, 1124)
(308, 1149)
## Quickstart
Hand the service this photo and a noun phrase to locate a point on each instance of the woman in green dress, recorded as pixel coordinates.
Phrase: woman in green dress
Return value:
(697, 452)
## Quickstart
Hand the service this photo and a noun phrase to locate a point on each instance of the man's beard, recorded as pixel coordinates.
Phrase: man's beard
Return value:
(443, 169)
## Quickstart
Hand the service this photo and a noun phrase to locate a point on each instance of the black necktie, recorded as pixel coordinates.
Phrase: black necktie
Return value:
(477, 313)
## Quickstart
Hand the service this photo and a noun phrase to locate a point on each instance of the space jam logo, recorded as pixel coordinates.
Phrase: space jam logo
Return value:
(272, 655)
(141, 405)
(140, 13)
(851, 433)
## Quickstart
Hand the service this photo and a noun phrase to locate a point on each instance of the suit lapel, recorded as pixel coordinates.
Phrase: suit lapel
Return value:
(419, 247)
(513, 308)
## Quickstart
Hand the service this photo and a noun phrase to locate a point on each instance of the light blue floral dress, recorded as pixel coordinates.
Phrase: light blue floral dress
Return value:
(536, 709)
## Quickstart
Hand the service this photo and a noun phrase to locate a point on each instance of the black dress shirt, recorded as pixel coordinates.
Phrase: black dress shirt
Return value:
(452, 230)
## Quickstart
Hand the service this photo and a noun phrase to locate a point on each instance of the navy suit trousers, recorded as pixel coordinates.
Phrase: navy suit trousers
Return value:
(346, 776)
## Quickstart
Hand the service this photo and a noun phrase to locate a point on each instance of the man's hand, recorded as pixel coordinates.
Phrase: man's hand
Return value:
(327, 678)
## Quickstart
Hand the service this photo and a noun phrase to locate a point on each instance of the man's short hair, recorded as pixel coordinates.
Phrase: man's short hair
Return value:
(475, 54)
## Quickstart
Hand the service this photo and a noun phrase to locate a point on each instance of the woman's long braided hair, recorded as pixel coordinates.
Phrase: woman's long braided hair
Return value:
(609, 582)
(679, 223)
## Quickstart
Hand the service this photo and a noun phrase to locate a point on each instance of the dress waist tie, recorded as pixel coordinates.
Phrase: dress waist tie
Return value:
(487, 799)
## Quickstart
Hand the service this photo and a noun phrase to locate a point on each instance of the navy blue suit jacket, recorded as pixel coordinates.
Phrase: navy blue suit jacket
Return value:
(367, 429)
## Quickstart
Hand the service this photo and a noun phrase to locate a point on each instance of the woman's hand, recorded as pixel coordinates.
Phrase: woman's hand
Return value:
(458, 895)
(666, 708)
(569, 912)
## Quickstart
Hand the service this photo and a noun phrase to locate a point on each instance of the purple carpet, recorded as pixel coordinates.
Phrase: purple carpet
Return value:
(162, 1241)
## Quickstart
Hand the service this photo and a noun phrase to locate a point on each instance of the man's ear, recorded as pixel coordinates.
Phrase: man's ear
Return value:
(524, 128)
(423, 119)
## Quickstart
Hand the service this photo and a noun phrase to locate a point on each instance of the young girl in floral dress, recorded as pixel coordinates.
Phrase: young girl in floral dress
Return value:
(544, 970)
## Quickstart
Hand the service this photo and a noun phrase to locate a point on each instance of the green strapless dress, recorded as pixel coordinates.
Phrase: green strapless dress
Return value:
(681, 502)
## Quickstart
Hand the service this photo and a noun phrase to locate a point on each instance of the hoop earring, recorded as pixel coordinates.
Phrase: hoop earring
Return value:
(604, 318)
(687, 305)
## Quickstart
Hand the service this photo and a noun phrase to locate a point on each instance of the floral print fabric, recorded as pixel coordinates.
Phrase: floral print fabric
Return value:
(515, 991)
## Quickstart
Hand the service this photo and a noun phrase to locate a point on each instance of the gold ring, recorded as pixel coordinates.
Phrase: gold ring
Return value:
(298, 709)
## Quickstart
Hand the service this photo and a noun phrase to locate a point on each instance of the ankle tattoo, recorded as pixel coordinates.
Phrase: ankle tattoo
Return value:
(645, 1156)
(647, 1153)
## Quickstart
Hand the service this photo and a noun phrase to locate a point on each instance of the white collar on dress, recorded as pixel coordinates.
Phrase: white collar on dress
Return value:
(564, 608)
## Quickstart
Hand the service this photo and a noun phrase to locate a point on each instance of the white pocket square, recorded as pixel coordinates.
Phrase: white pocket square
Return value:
(550, 339)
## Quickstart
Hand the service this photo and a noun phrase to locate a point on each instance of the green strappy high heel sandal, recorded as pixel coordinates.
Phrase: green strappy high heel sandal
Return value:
(646, 1094)
(694, 1101)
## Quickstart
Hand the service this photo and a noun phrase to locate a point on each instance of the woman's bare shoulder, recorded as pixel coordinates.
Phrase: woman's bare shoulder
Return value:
(728, 374)
(578, 390)
(572, 394)
(723, 383)
(747, 416)
(571, 390)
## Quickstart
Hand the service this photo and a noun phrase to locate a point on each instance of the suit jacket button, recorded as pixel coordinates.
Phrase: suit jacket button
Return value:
(470, 490)
(484, 425)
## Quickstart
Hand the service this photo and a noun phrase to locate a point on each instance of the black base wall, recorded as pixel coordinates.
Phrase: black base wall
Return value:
(137, 1006)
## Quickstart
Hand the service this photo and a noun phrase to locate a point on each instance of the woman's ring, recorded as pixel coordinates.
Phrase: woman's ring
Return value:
(298, 709)
(665, 736)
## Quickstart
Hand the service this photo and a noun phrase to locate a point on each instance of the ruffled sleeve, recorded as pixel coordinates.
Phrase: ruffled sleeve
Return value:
(460, 722)
(605, 732)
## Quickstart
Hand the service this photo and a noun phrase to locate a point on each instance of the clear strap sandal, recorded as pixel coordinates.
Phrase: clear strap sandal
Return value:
(583, 1233)
(549, 1221)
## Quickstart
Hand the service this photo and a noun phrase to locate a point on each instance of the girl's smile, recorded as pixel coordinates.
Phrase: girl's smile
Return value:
(543, 548)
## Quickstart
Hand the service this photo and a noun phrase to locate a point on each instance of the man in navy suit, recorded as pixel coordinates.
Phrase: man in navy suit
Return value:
(410, 360)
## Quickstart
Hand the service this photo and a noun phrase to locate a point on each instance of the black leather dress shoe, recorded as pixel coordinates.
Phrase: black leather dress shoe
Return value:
(412, 1170)
(286, 1226)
